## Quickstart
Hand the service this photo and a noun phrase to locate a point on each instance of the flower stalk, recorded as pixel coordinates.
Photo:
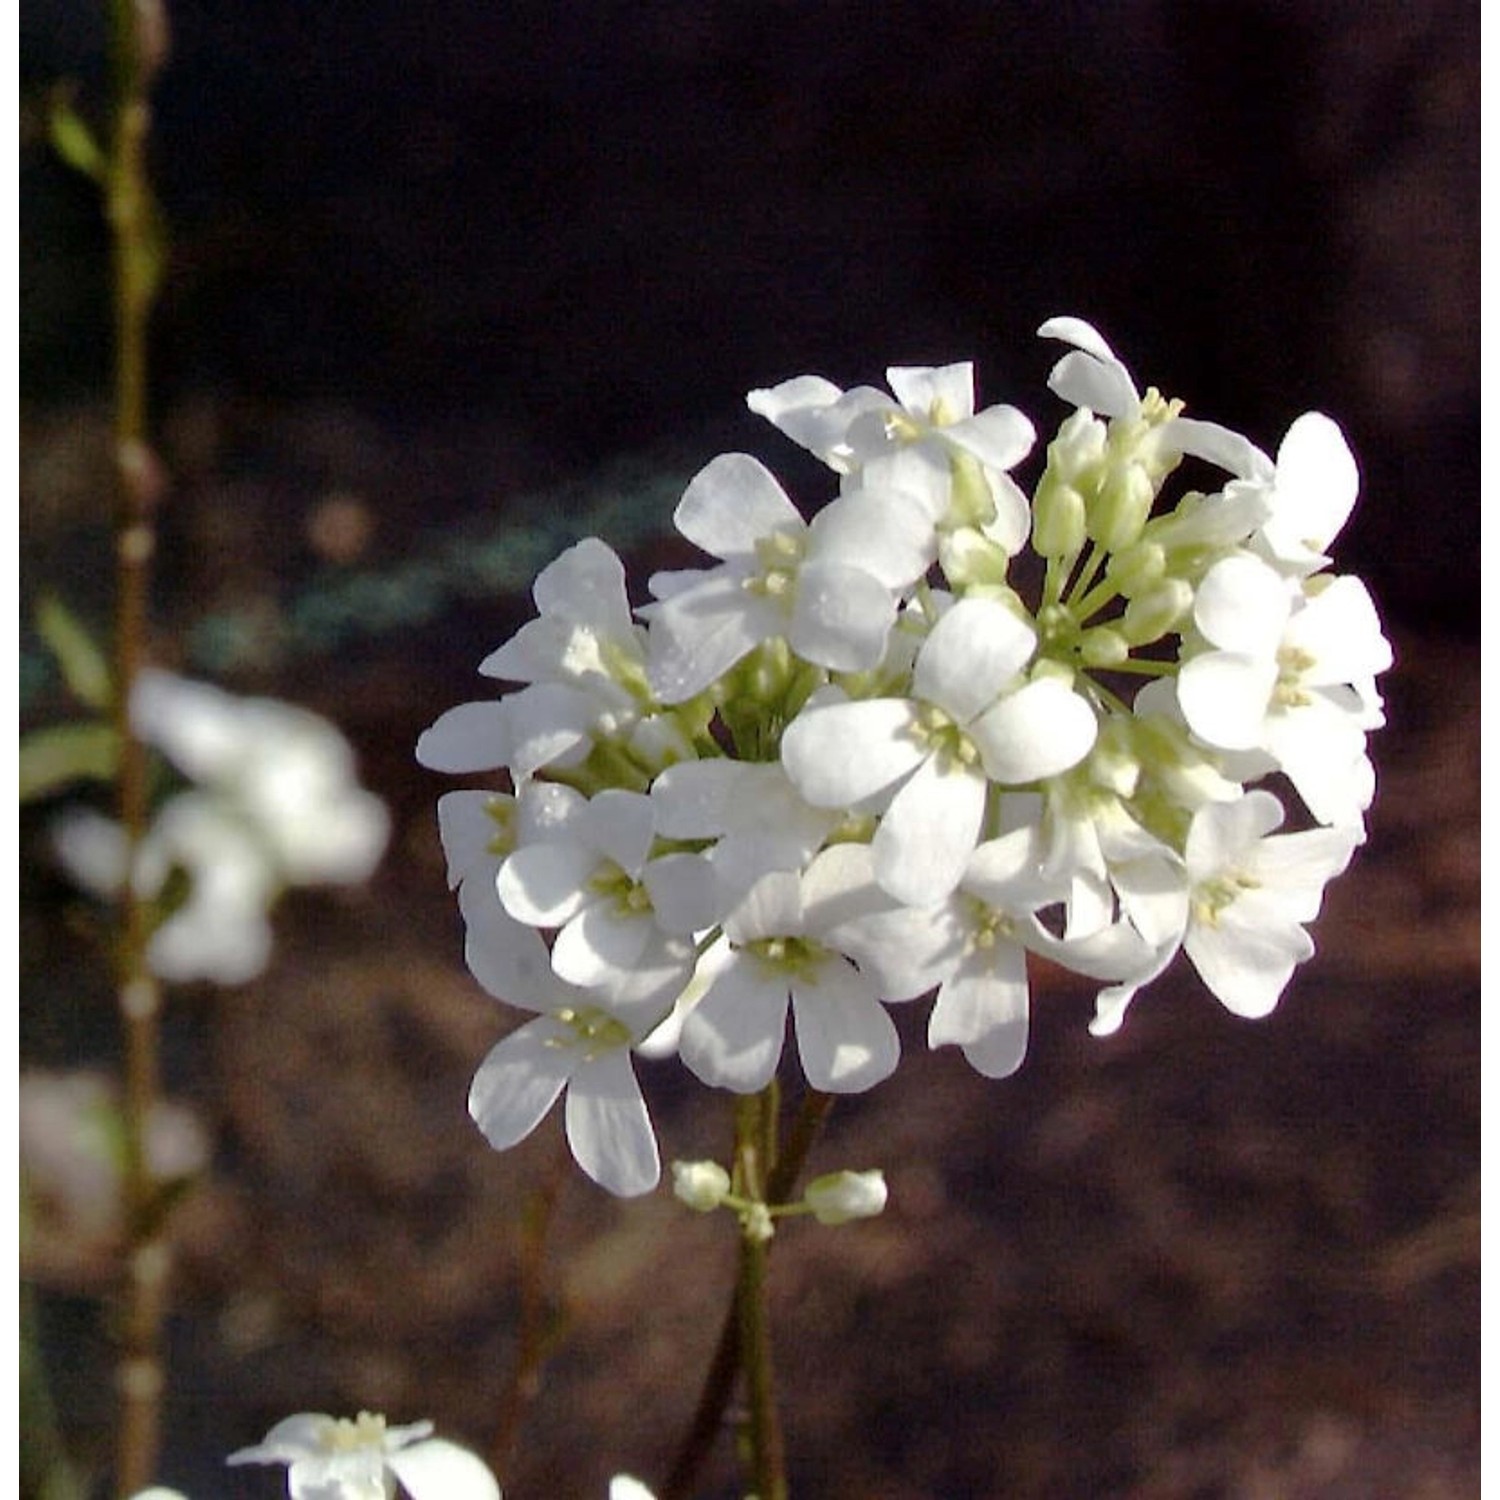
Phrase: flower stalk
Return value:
(139, 49)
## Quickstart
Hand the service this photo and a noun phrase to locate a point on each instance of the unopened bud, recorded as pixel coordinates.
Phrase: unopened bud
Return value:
(1058, 518)
(1124, 503)
(1103, 646)
(1137, 567)
(702, 1185)
(1151, 615)
(840, 1196)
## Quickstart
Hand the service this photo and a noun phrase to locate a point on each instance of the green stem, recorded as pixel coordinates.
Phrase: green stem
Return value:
(754, 1127)
(718, 1385)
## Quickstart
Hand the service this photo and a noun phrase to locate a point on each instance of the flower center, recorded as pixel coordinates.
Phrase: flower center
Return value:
(1213, 896)
(944, 738)
(367, 1430)
(594, 1031)
(779, 555)
(788, 955)
(626, 894)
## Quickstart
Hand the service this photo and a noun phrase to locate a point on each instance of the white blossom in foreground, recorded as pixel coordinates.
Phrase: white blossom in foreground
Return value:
(1251, 893)
(578, 1045)
(859, 759)
(336, 1458)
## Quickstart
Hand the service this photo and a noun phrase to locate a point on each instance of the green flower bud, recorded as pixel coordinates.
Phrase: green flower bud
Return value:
(1059, 518)
(1150, 615)
(969, 558)
(1103, 646)
(1124, 503)
(1137, 567)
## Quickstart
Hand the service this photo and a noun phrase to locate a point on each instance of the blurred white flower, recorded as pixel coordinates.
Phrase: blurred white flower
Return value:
(336, 1458)
(274, 802)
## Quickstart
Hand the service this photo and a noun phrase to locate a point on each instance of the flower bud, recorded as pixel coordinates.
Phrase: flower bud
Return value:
(1103, 646)
(1058, 518)
(1123, 505)
(702, 1185)
(1151, 615)
(840, 1196)
(1135, 569)
(970, 559)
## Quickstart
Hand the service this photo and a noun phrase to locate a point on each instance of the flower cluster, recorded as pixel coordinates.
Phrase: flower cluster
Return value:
(271, 801)
(848, 764)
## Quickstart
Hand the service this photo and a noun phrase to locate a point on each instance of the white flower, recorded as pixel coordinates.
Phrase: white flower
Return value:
(928, 442)
(332, 1458)
(582, 1045)
(1250, 896)
(624, 1487)
(839, 1197)
(1093, 378)
(825, 591)
(1311, 495)
(781, 952)
(750, 808)
(972, 718)
(290, 773)
(1292, 673)
(973, 944)
(220, 932)
(627, 916)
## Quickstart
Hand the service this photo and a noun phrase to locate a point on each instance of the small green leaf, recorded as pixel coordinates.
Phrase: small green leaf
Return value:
(72, 139)
(82, 662)
(52, 758)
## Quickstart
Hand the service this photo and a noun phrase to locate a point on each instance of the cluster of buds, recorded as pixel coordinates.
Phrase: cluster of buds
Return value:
(848, 764)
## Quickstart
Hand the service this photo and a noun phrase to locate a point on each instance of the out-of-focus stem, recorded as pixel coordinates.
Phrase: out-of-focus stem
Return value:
(138, 44)
(533, 1331)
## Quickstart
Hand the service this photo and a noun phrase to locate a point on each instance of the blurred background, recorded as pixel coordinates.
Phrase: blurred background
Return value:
(452, 285)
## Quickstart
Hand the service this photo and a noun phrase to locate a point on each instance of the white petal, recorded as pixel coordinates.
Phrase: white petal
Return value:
(601, 946)
(1221, 446)
(519, 1081)
(507, 957)
(685, 893)
(732, 503)
(973, 652)
(440, 1470)
(1224, 696)
(920, 388)
(621, 825)
(1247, 965)
(906, 950)
(1317, 483)
(1086, 383)
(733, 1038)
(1242, 605)
(995, 1008)
(697, 635)
(609, 1129)
(771, 908)
(1340, 629)
(999, 437)
(471, 737)
(845, 1040)
(546, 884)
(928, 833)
(467, 830)
(1041, 730)
(841, 617)
(883, 532)
(841, 753)
(1223, 833)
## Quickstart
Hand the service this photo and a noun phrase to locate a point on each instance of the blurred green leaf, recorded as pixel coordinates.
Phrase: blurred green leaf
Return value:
(71, 137)
(83, 664)
(52, 758)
